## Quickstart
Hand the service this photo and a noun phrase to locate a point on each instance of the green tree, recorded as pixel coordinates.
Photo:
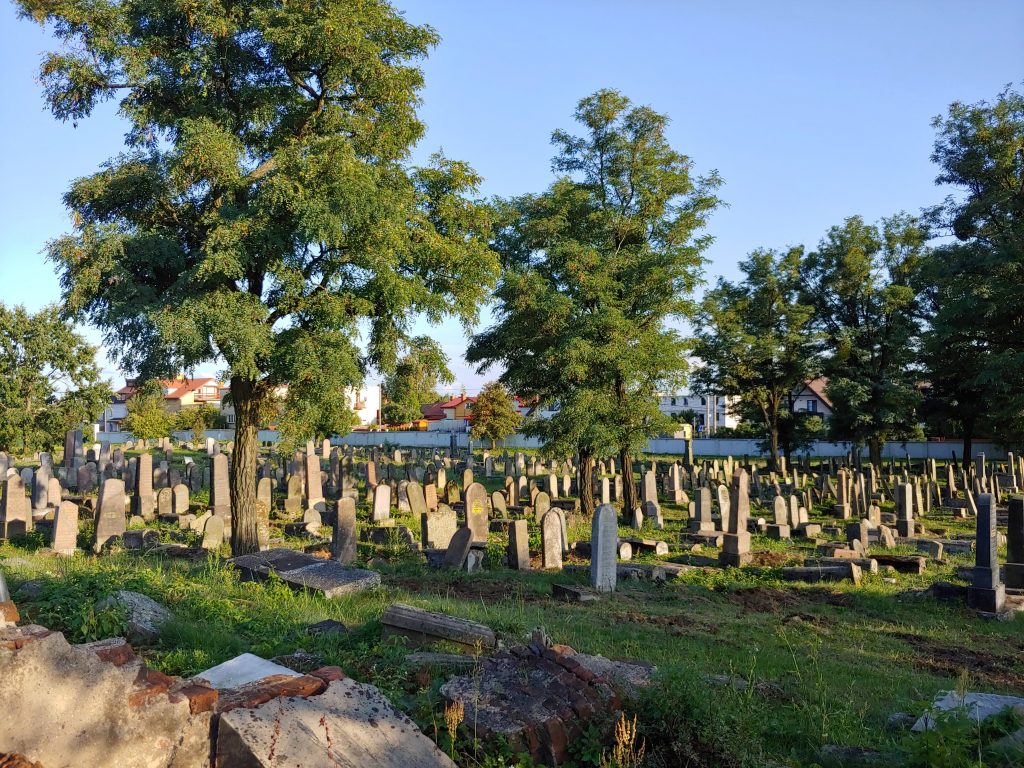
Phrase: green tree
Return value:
(596, 266)
(148, 416)
(304, 417)
(974, 346)
(494, 417)
(756, 342)
(861, 282)
(196, 420)
(49, 380)
(415, 380)
(265, 210)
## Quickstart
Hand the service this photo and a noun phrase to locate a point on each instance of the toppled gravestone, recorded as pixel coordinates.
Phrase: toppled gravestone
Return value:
(144, 615)
(349, 725)
(302, 571)
(539, 699)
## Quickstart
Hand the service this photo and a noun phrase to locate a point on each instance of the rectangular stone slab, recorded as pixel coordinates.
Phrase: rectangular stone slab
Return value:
(303, 571)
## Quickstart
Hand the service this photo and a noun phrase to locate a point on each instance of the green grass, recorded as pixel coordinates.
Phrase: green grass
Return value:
(827, 664)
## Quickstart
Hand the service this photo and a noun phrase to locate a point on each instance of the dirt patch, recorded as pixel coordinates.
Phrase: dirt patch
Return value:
(774, 559)
(680, 624)
(1001, 670)
(486, 591)
(774, 600)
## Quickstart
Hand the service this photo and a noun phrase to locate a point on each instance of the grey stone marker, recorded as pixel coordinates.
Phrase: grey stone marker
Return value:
(701, 520)
(15, 510)
(498, 504)
(64, 538)
(736, 546)
(905, 510)
(179, 499)
(343, 541)
(604, 540)
(165, 502)
(1014, 569)
(986, 592)
(438, 527)
(541, 505)
(110, 520)
(477, 518)
(143, 502)
(518, 556)
(381, 503)
(264, 490)
(41, 487)
(213, 532)
(551, 541)
(220, 487)
(417, 499)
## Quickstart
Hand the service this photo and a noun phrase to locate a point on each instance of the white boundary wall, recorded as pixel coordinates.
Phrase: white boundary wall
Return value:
(709, 446)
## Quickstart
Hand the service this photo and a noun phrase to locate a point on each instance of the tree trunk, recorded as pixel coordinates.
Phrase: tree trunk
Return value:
(773, 444)
(968, 444)
(875, 451)
(585, 483)
(630, 500)
(246, 400)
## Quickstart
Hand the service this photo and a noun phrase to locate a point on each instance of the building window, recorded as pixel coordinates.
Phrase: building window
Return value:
(812, 406)
(703, 401)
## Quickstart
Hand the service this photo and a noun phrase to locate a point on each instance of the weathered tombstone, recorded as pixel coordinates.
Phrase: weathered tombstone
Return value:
(430, 496)
(54, 494)
(343, 537)
(541, 505)
(15, 511)
(213, 532)
(905, 510)
(458, 549)
(313, 484)
(41, 487)
(438, 526)
(723, 506)
(649, 490)
(604, 539)
(165, 502)
(551, 541)
(986, 593)
(417, 501)
(477, 518)
(220, 487)
(736, 547)
(701, 520)
(518, 554)
(64, 537)
(110, 520)
(467, 478)
(264, 492)
(652, 511)
(498, 504)
(381, 503)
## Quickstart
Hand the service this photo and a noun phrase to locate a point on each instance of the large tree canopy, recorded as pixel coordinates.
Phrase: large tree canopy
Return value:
(264, 208)
(861, 281)
(49, 380)
(974, 348)
(414, 381)
(756, 343)
(596, 267)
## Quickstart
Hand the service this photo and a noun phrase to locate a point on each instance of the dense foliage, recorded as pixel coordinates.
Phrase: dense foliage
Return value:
(415, 380)
(494, 415)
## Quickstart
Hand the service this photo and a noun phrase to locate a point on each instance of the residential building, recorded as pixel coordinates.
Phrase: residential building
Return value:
(811, 398)
(709, 412)
(179, 393)
(364, 401)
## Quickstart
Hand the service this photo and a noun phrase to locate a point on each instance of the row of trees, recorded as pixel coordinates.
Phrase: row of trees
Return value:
(49, 380)
(266, 215)
(911, 336)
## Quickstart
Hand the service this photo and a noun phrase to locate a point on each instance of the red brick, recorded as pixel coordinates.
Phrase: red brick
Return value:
(329, 674)
(556, 740)
(154, 685)
(585, 674)
(200, 698)
(114, 650)
(274, 687)
(563, 650)
(9, 612)
(15, 638)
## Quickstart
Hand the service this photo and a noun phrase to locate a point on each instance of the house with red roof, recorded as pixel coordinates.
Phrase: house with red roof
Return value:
(812, 397)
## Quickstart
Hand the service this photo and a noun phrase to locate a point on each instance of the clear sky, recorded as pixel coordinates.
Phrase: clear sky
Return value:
(810, 111)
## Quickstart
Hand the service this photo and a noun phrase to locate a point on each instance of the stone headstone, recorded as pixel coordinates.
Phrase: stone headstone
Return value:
(437, 527)
(518, 555)
(604, 539)
(986, 592)
(213, 532)
(110, 519)
(458, 549)
(64, 537)
(551, 541)
(381, 503)
(477, 518)
(343, 540)
(220, 486)
(1014, 569)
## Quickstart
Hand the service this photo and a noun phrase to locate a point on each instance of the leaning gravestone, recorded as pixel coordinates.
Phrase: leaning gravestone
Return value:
(417, 501)
(604, 540)
(343, 541)
(458, 549)
(110, 520)
(64, 538)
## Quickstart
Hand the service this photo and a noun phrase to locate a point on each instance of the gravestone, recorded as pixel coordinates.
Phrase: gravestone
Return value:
(438, 526)
(313, 484)
(417, 501)
(723, 506)
(381, 503)
(165, 502)
(477, 518)
(458, 549)
(736, 546)
(518, 556)
(498, 504)
(343, 540)
(604, 540)
(649, 490)
(701, 521)
(652, 511)
(264, 492)
(541, 505)
(110, 520)
(213, 532)
(551, 542)
(15, 511)
(64, 537)
(986, 592)
(905, 510)
(220, 487)
(41, 487)
(430, 496)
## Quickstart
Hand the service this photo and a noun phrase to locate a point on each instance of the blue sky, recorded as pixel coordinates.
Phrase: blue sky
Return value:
(810, 111)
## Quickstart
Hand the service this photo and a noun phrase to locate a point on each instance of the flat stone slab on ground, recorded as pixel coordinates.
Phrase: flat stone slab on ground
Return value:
(300, 570)
(980, 706)
(242, 670)
(144, 615)
(349, 725)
